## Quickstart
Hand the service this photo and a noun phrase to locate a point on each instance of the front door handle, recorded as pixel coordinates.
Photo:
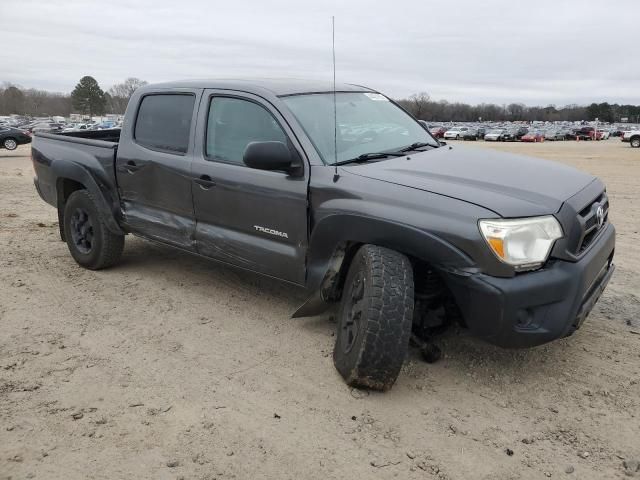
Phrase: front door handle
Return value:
(205, 182)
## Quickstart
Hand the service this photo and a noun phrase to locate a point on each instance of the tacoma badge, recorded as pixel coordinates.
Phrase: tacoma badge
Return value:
(271, 231)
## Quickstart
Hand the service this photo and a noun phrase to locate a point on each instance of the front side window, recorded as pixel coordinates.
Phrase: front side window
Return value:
(164, 122)
(233, 123)
(366, 122)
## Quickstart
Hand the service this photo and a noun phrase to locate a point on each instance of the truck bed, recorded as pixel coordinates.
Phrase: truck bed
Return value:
(92, 155)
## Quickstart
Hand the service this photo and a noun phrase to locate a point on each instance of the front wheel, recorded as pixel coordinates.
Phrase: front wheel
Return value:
(10, 144)
(374, 318)
(90, 242)
(635, 142)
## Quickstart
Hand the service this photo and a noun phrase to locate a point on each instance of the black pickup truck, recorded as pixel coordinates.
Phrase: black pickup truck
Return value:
(347, 195)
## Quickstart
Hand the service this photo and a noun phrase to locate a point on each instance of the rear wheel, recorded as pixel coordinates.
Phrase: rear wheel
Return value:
(90, 242)
(635, 142)
(10, 144)
(374, 318)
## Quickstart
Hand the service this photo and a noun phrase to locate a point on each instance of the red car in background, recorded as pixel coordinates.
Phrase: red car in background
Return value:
(588, 133)
(533, 136)
(438, 131)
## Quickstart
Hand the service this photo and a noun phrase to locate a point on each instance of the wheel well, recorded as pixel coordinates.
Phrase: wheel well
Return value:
(428, 283)
(65, 188)
(339, 266)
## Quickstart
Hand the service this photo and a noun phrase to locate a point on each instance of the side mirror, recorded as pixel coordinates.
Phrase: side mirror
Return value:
(268, 156)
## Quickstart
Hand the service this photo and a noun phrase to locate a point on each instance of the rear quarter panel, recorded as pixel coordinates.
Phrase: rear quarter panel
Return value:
(54, 157)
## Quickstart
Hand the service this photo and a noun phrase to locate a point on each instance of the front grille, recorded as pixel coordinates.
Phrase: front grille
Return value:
(588, 219)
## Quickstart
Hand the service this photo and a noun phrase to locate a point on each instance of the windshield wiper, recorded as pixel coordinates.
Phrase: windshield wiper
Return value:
(370, 156)
(417, 145)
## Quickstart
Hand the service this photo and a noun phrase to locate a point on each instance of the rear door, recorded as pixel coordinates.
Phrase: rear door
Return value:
(254, 219)
(153, 167)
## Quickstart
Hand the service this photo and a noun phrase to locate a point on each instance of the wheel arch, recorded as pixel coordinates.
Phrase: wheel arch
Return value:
(336, 238)
(71, 177)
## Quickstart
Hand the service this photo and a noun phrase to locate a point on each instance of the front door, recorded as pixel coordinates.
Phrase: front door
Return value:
(154, 168)
(254, 219)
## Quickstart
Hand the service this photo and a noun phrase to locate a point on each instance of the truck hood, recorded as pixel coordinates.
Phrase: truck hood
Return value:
(509, 185)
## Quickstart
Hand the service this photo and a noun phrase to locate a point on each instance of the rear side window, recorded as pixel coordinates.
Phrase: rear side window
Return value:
(164, 122)
(233, 123)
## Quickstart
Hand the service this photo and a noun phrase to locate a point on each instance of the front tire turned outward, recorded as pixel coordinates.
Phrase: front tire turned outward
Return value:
(374, 318)
(90, 242)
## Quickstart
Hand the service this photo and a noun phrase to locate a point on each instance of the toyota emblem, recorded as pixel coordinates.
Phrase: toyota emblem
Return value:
(600, 216)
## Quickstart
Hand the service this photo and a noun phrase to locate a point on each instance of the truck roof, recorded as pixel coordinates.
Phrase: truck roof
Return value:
(275, 86)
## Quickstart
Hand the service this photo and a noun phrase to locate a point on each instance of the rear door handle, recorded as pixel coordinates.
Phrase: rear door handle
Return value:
(205, 182)
(129, 167)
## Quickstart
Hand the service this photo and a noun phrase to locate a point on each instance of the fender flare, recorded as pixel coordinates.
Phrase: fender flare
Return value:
(334, 234)
(105, 203)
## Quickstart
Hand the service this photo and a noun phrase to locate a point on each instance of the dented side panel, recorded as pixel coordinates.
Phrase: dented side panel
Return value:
(155, 185)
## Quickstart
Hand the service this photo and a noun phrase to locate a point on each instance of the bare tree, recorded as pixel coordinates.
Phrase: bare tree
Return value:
(420, 104)
(120, 93)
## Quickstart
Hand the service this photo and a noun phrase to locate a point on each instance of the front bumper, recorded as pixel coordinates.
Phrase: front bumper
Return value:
(538, 307)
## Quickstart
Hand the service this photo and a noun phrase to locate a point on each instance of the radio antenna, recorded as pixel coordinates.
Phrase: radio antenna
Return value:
(335, 110)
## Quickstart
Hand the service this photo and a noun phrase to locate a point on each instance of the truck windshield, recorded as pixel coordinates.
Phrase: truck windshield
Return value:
(366, 122)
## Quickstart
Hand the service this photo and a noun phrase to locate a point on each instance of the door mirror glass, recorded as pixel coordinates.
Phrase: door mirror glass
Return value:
(268, 156)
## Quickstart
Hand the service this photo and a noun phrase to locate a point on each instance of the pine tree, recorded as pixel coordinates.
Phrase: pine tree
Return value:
(88, 97)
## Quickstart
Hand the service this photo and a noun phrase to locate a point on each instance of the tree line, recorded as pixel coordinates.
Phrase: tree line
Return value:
(86, 98)
(90, 99)
(423, 107)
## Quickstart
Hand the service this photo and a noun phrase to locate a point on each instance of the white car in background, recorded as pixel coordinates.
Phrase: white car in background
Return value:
(455, 133)
(633, 137)
(603, 134)
(494, 135)
(76, 127)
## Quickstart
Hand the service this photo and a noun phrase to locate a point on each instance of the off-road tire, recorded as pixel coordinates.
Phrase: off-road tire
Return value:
(10, 143)
(635, 142)
(374, 318)
(105, 247)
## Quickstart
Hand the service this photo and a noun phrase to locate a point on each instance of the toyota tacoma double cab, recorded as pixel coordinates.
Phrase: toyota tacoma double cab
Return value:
(342, 192)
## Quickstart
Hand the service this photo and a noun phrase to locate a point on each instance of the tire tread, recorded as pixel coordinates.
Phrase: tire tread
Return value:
(111, 244)
(388, 320)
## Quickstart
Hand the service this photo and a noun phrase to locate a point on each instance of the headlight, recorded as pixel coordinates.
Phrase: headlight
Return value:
(524, 243)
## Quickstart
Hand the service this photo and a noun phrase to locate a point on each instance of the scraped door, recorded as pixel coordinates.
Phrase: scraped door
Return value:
(254, 219)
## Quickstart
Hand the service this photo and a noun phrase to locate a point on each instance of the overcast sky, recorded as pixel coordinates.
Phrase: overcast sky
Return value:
(537, 52)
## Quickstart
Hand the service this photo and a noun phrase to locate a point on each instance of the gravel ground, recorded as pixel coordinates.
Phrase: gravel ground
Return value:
(168, 367)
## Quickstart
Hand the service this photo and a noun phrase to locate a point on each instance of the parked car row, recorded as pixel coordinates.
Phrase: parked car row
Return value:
(18, 131)
(53, 124)
(518, 132)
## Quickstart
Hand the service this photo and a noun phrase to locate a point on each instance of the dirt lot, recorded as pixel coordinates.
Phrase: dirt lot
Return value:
(168, 367)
